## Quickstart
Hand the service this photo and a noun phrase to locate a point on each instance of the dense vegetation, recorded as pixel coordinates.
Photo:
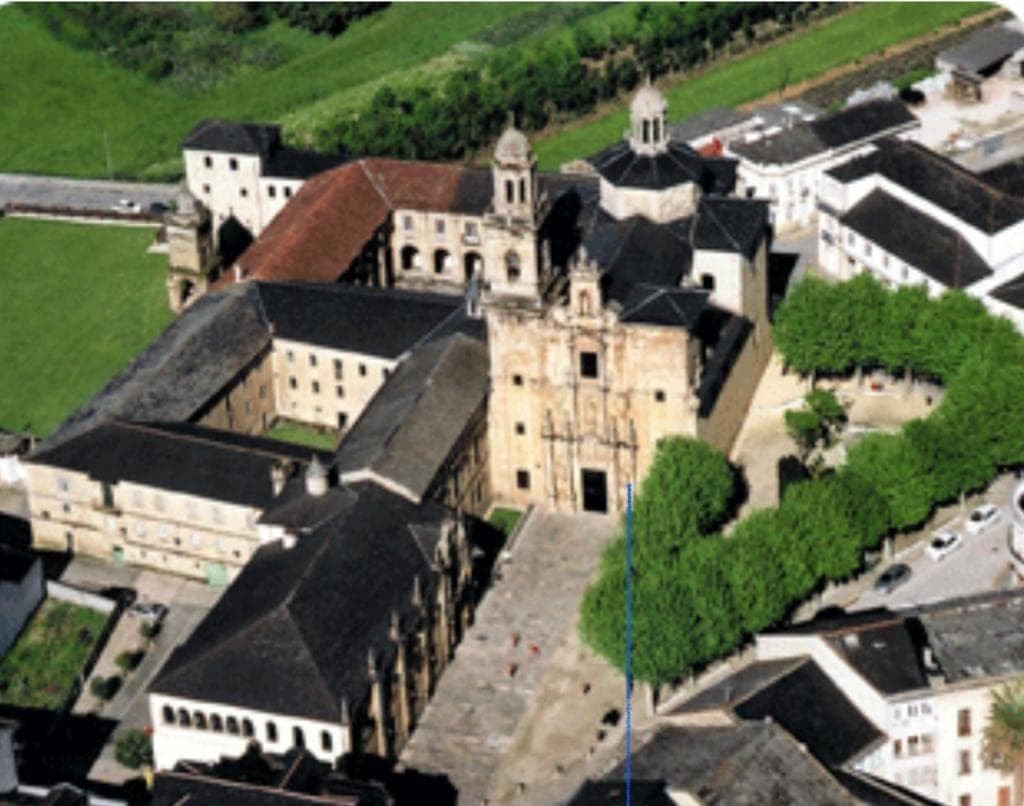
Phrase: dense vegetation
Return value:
(558, 80)
(79, 301)
(698, 595)
(191, 45)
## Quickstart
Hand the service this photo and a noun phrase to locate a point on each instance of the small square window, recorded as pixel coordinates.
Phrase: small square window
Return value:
(316, 387)
(339, 390)
(290, 355)
(965, 762)
(208, 161)
(659, 395)
(206, 189)
(517, 380)
(243, 192)
(272, 191)
(523, 479)
(62, 484)
(407, 223)
(342, 419)
(362, 370)
(588, 365)
(439, 226)
(520, 428)
(293, 383)
(233, 164)
(471, 229)
(339, 369)
(287, 192)
(312, 359)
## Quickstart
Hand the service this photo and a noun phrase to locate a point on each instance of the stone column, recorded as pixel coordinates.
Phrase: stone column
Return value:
(402, 673)
(377, 706)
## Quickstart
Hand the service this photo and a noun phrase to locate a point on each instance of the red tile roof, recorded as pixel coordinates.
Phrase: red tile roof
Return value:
(324, 228)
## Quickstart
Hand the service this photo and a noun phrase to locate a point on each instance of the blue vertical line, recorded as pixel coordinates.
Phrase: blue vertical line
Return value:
(629, 641)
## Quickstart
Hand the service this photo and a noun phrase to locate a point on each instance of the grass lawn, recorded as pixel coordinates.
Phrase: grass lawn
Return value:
(505, 519)
(39, 670)
(145, 121)
(864, 30)
(77, 302)
(300, 434)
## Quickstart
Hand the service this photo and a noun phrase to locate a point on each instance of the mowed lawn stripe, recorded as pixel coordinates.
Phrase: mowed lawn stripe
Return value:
(77, 303)
(859, 32)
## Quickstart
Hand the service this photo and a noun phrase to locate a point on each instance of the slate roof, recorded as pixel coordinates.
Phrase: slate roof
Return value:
(727, 334)
(236, 138)
(292, 633)
(747, 763)
(854, 124)
(706, 122)
(939, 180)
(294, 163)
(808, 705)
(1011, 292)
(187, 365)
(374, 321)
(661, 305)
(185, 458)
(1008, 177)
(738, 686)
(678, 163)
(917, 239)
(409, 429)
(983, 49)
(730, 225)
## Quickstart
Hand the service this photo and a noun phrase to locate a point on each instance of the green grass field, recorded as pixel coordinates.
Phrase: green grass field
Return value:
(39, 670)
(145, 121)
(860, 32)
(299, 434)
(77, 303)
(505, 519)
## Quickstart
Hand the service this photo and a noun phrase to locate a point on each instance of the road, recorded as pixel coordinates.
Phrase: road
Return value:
(980, 565)
(83, 194)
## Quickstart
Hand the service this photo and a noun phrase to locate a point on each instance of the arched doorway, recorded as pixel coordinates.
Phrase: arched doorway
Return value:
(442, 260)
(409, 258)
(473, 265)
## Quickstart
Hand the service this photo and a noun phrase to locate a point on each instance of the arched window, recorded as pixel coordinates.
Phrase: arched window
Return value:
(584, 303)
(510, 191)
(442, 260)
(657, 130)
(522, 190)
(168, 715)
(298, 737)
(200, 720)
(325, 741)
(512, 267)
(247, 729)
(232, 725)
(409, 257)
(647, 131)
(216, 724)
(271, 732)
(183, 718)
(473, 265)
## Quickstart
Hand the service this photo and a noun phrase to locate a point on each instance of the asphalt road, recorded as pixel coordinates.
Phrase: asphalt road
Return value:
(84, 194)
(980, 565)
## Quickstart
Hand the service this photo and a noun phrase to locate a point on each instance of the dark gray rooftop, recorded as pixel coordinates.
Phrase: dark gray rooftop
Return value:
(854, 124)
(189, 363)
(748, 763)
(676, 165)
(412, 424)
(917, 239)
(291, 635)
(706, 122)
(983, 49)
(1011, 292)
(738, 686)
(234, 138)
(293, 163)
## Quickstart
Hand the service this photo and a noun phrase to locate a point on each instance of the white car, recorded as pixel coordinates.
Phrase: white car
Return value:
(943, 544)
(127, 206)
(983, 517)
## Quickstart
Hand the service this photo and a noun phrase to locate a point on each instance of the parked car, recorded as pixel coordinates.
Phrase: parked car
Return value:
(158, 208)
(126, 206)
(944, 543)
(151, 611)
(981, 518)
(892, 578)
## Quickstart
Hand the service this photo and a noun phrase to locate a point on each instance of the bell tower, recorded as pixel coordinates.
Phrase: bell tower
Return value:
(648, 133)
(514, 170)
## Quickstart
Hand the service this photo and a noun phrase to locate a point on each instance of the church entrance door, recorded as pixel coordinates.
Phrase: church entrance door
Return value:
(595, 490)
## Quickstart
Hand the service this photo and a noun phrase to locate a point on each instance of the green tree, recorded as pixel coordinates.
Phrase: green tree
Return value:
(686, 493)
(862, 306)
(892, 467)
(831, 542)
(805, 329)
(1003, 742)
(805, 428)
(133, 749)
(898, 348)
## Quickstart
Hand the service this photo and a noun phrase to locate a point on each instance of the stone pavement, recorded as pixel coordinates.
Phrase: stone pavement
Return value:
(483, 696)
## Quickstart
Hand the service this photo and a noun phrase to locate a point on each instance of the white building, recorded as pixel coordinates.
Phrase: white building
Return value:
(242, 171)
(787, 166)
(897, 698)
(912, 217)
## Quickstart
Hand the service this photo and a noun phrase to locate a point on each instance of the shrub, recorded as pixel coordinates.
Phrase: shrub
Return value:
(127, 661)
(149, 629)
(133, 748)
(104, 688)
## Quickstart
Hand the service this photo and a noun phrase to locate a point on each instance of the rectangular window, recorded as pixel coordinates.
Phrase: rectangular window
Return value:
(233, 164)
(206, 190)
(362, 370)
(287, 192)
(523, 479)
(339, 390)
(407, 223)
(588, 365)
(342, 419)
(963, 722)
(312, 359)
(439, 226)
(316, 387)
(913, 746)
(517, 380)
(62, 484)
(272, 191)
(897, 748)
(927, 745)
(290, 355)
(339, 369)
(293, 383)
(471, 229)
(208, 161)
(243, 192)
(659, 395)
(520, 428)
(965, 762)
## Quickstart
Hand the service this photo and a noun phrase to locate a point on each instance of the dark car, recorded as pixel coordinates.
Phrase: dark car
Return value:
(892, 578)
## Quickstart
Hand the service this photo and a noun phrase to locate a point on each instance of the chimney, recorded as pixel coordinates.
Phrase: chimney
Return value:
(316, 478)
(277, 477)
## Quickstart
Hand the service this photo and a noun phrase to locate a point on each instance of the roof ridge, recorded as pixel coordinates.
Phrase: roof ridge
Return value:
(152, 428)
(706, 204)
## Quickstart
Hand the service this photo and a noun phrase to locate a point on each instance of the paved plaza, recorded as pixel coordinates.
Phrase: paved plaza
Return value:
(523, 623)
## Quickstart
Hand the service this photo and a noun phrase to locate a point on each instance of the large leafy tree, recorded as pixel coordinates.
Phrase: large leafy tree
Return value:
(1003, 743)
(805, 332)
(898, 348)
(897, 473)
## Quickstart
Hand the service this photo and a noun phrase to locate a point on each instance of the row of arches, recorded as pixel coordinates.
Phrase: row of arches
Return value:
(472, 263)
(235, 727)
